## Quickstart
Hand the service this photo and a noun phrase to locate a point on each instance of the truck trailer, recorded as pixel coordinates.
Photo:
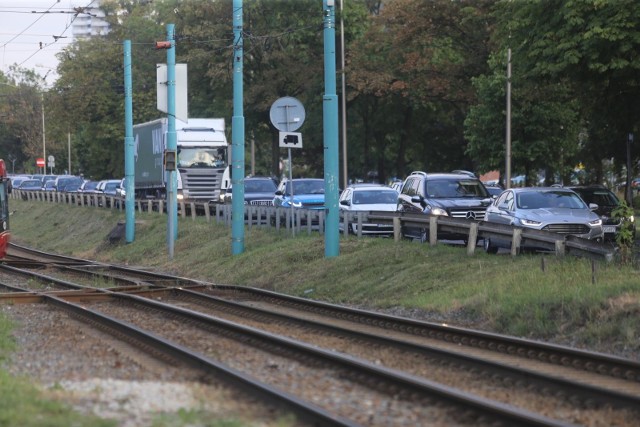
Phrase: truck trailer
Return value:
(202, 159)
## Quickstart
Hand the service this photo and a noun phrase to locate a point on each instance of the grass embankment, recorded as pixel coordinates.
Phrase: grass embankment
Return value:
(498, 293)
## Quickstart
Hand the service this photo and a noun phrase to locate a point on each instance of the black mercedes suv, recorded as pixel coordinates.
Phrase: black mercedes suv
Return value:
(458, 195)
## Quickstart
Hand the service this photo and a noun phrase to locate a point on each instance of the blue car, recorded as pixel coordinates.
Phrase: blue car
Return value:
(304, 193)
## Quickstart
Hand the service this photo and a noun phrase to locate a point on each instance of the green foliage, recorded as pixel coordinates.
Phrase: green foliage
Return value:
(625, 236)
(425, 83)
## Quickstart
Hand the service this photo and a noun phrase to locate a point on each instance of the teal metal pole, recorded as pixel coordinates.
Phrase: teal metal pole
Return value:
(237, 136)
(129, 148)
(172, 142)
(330, 131)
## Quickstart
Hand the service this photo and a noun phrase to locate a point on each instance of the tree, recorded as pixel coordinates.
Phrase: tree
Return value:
(593, 46)
(418, 59)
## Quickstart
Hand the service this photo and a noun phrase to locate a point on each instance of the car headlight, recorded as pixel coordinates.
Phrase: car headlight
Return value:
(595, 222)
(180, 196)
(530, 222)
(439, 211)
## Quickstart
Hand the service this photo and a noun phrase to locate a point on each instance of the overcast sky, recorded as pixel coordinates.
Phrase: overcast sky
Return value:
(24, 24)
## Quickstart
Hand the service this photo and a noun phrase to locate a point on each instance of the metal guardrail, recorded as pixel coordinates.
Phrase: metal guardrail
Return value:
(305, 220)
(520, 237)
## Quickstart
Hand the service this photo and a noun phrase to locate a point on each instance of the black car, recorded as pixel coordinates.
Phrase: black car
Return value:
(607, 201)
(457, 195)
(258, 191)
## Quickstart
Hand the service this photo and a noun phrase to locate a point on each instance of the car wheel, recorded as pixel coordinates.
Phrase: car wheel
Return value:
(488, 247)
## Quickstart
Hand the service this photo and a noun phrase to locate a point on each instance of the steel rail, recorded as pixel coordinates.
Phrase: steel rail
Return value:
(554, 354)
(603, 364)
(156, 345)
(585, 390)
(497, 410)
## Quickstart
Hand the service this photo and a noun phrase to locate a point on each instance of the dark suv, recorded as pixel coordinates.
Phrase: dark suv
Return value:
(607, 201)
(458, 195)
(258, 191)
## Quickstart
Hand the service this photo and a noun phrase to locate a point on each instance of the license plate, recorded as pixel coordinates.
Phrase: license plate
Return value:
(610, 229)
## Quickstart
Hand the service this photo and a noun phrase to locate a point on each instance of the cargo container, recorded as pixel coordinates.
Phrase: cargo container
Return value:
(202, 159)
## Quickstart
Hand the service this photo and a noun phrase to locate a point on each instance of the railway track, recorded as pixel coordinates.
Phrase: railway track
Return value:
(554, 385)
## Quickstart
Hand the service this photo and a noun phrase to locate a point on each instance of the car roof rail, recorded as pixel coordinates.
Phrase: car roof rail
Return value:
(464, 172)
(557, 185)
(419, 173)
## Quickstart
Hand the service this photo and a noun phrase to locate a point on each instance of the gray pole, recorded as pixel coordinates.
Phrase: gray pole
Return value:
(507, 163)
(69, 149)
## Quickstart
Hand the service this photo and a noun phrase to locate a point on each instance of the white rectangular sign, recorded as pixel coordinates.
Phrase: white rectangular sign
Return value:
(290, 140)
(182, 109)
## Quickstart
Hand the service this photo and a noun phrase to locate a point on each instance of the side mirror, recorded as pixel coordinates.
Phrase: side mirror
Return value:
(593, 206)
(345, 203)
(278, 193)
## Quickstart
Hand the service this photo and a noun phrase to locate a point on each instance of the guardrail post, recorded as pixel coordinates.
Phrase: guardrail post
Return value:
(397, 229)
(433, 230)
(473, 238)
(321, 216)
(360, 221)
(193, 211)
(560, 248)
(515, 241)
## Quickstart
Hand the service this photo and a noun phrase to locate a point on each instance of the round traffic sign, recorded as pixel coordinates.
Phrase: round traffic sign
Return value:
(287, 114)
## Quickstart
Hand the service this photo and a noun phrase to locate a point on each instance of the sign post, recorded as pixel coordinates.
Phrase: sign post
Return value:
(287, 114)
(51, 162)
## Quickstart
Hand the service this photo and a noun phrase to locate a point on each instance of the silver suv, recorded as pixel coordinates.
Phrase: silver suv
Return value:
(458, 195)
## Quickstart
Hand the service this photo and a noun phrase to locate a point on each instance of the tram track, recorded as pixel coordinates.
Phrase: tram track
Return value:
(255, 308)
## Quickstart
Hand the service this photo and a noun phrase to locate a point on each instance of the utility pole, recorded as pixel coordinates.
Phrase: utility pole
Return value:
(507, 163)
(237, 137)
(345, 179)
(129, 148)
(330, 132)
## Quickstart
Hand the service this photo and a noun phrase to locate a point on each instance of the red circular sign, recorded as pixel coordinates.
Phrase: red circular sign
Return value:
(40, 163)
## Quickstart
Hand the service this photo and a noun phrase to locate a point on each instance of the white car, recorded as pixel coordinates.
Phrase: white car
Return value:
(368, 197)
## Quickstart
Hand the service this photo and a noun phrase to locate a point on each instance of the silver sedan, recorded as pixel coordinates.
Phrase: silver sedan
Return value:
(553, 209)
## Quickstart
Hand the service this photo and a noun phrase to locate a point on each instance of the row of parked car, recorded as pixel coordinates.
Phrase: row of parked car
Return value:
(65, 183)
(583, 211)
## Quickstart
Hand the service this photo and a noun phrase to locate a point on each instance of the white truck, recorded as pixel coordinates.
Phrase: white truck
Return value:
(202, 159)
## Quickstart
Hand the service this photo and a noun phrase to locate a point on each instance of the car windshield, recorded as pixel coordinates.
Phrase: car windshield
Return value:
(111, 186)
(370, 197)
(454, 188)
(200, 157)
(259, 186)
(91, 185)
(31, 183)
(310, 186)
(549, 199)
